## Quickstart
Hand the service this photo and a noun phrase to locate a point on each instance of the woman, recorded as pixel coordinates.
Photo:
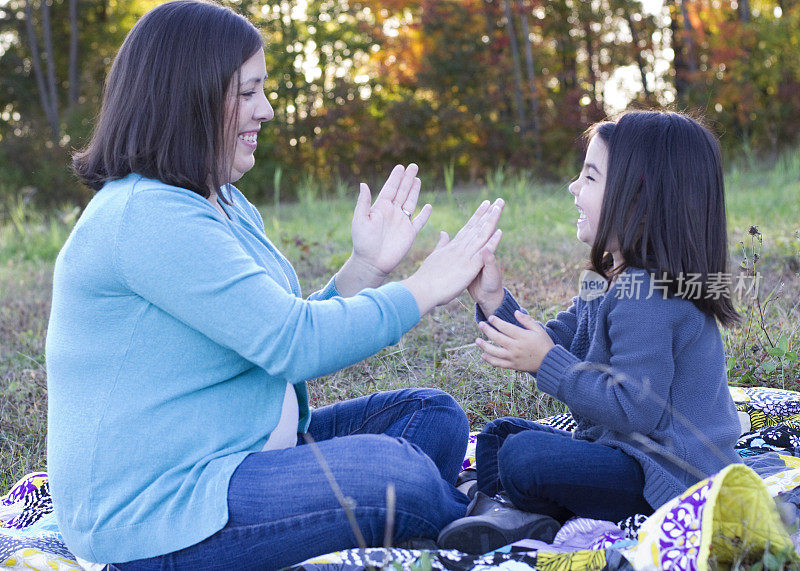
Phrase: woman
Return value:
(179, 345)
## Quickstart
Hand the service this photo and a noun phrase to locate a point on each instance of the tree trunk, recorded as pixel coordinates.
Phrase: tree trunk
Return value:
(637, 50)
(588, 37)
(51, 62)
(683, 63)
(526, 38)
(744, 10)
(50, 112)
(512, 38)
(74, 88)
(689, 35)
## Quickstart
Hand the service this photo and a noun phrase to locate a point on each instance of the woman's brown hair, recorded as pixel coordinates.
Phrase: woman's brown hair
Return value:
(163, 107)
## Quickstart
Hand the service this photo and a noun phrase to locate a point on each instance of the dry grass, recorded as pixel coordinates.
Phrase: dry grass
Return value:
(541, 260)
(24, 310)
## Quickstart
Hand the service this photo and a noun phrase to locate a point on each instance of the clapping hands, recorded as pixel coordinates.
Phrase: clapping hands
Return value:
(508, 346)
(455, 263)
(487, 287)
(512, 347)
(383, 231)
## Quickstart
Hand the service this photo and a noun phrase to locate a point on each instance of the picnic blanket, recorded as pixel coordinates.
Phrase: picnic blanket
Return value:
(29, 536)
(734, 516)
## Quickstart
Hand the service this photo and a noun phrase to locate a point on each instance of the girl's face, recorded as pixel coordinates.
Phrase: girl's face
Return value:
(589, 188)
(245, 109)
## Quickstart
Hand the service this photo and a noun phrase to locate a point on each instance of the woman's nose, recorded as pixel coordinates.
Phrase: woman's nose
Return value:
(573, 188)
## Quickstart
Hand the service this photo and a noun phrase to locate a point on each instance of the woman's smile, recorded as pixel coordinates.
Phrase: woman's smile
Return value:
(248, 139)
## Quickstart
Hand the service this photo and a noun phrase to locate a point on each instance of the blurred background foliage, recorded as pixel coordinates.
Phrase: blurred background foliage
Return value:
(462, 87)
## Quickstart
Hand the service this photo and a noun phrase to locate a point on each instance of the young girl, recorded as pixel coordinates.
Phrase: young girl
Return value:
(641, 366)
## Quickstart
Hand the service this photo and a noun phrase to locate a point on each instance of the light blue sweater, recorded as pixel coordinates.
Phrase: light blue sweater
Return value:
(172, 335)
(645, 375)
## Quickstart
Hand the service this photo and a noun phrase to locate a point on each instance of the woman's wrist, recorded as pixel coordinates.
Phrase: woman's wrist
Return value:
(421, 291)
(356, 274)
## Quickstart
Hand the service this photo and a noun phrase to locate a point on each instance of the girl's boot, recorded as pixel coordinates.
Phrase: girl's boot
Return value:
(490, 524)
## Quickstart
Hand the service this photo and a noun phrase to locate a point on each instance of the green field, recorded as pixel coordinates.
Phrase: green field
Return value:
(541, 260)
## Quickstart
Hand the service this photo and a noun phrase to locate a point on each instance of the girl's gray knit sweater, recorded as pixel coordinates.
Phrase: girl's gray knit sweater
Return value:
(644, 374)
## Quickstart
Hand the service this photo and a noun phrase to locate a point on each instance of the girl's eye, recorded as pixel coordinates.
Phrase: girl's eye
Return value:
(591, 178)
(247, 94)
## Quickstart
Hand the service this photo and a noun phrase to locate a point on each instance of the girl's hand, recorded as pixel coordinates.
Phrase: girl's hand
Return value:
(453, 264)
(512, 347)
(487, 287)
(384, 231)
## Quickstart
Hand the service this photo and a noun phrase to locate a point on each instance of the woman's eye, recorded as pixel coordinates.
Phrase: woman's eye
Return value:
(248, 94)
(591, 178)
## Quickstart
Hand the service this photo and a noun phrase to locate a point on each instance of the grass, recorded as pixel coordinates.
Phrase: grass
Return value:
(541, 258)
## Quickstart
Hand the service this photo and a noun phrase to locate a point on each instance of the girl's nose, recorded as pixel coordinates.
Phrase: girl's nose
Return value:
(264, 112)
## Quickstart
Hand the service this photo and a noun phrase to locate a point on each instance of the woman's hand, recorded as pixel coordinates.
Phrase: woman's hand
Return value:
(453, 264)
(487, 287)
(519, 348)
(383, 231)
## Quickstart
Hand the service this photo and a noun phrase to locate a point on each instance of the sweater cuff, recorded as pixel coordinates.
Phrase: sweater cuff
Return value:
(405, 302)
(553, 369)
(329, 291)
(505, 312)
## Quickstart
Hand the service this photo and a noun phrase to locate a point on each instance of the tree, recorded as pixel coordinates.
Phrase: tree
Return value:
(534, 91)
(74, 81)
(514, 47)
(47, 89)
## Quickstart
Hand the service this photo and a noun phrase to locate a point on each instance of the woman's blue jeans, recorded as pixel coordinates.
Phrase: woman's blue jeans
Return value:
(282, 509)
(544, 470)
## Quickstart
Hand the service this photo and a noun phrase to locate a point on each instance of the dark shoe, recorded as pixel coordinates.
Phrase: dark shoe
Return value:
(490, 525)
(467, 482)
(484, 504)
(468, 488)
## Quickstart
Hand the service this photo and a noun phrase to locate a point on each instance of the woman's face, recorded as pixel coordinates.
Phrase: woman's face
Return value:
(589, 188)
(246, 106)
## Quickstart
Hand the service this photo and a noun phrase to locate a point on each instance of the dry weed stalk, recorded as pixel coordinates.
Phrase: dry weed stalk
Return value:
(349, 503)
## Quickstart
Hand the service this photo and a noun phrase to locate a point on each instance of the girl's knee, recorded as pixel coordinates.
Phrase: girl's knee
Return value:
(523, 449)
(521, 459)
(500, 426)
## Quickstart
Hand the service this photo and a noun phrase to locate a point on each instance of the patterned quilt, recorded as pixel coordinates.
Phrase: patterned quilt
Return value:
(742, 515)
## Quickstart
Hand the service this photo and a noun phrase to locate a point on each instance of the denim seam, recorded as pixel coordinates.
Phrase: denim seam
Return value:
(365, 421)
(333, 511)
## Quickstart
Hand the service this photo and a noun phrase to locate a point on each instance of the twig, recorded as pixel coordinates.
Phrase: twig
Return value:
(346, 502)
(662, 451)
(390, 505)
(29, 358)
(453, 349)
(619, 378)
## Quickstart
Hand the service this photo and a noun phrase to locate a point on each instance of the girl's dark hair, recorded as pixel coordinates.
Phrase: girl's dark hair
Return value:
(664, 207)
(163, 107)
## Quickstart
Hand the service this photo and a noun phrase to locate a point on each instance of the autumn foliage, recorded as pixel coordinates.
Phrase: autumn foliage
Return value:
(469, 85)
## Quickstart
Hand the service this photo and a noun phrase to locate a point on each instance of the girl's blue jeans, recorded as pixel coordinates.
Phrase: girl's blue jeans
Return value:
(544, 470)
(282, 509)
